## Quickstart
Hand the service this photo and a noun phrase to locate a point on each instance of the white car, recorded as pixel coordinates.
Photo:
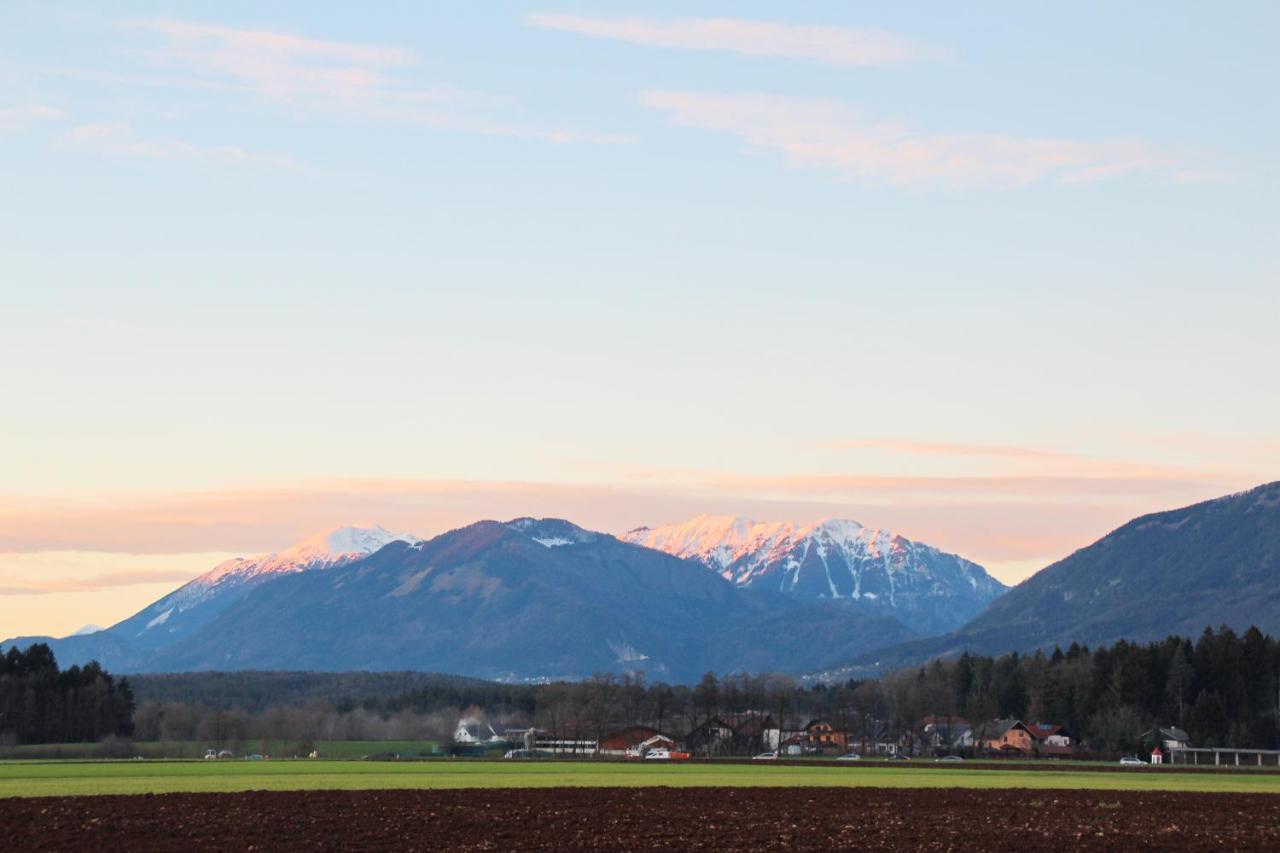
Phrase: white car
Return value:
(849, 756)
(1132, 761)
(766, 756)
(658, 754)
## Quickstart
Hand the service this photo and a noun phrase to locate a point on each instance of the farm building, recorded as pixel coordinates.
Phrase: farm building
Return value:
(1169, 738)
(471, 730)
(635, 740)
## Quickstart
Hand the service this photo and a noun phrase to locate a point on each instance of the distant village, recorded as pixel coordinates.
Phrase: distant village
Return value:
(758, 735)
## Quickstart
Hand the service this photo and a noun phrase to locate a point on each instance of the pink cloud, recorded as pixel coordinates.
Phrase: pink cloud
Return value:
(330, 77)
(820, 133)
(843, 46)
(92, 583)
(992, 519)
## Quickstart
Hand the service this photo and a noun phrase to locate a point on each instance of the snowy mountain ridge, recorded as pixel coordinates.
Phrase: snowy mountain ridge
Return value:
(832, 558)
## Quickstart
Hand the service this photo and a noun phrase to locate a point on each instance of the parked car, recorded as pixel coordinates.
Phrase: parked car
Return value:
(951, 758)
(897, 757)
(658, 755)
(766, 756)
(1132, 761)
(849, 756)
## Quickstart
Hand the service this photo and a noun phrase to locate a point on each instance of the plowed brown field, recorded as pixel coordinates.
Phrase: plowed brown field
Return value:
(645, 818)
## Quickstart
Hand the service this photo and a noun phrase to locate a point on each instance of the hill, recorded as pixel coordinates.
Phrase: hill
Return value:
(1175, 572)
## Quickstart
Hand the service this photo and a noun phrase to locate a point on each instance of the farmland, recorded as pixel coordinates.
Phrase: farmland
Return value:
(58, 778)
(648, 818)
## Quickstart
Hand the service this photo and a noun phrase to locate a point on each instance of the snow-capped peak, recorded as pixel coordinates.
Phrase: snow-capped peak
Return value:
(324, 550)
(551, 532)
(352, 541)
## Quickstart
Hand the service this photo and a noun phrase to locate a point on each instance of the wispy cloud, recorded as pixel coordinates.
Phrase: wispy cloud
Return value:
(820, 133)
(329, 77)
(1030, 458)
(286, 67)
(118, 140)
(14, 118)
(943, 448)
(844, 46)
(92, 583)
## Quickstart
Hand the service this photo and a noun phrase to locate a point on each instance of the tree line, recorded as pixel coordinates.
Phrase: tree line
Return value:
(1223, 688)
(40, 703)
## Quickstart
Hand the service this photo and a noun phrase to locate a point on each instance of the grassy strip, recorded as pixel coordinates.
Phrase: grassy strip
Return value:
(139, 777)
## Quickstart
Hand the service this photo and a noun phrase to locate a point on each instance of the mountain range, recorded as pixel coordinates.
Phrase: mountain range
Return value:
(524, 599)
(544, 599)
(875, 571)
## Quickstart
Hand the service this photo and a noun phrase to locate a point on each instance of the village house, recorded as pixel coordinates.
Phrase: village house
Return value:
(1004, 736)
(784, 735)
(947, 733)
(1050, 739)
(1015, 736)
(750, 731)
(714, 737)
(876, 738)
(822, 737)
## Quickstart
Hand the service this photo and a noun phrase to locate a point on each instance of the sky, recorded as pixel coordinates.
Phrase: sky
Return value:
(996, 276)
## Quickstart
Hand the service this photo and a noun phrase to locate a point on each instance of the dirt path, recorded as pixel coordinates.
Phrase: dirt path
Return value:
(645, 818)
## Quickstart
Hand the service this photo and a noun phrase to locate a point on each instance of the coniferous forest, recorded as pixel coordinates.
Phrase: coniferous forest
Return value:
(39, 703)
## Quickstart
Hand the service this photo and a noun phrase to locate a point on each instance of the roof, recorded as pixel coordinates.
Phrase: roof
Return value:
(630, 736)
(750, 723)
(993, 729)
(1167, 732)
(1040, 731)
(712, 723)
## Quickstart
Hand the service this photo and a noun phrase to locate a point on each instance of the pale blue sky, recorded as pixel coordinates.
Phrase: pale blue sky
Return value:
(997, 275)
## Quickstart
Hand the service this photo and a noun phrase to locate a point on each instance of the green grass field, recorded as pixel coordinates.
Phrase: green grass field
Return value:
(196, 749)
(51, 778)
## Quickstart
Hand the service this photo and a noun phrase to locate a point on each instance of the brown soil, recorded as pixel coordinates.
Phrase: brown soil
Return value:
(645, 818)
